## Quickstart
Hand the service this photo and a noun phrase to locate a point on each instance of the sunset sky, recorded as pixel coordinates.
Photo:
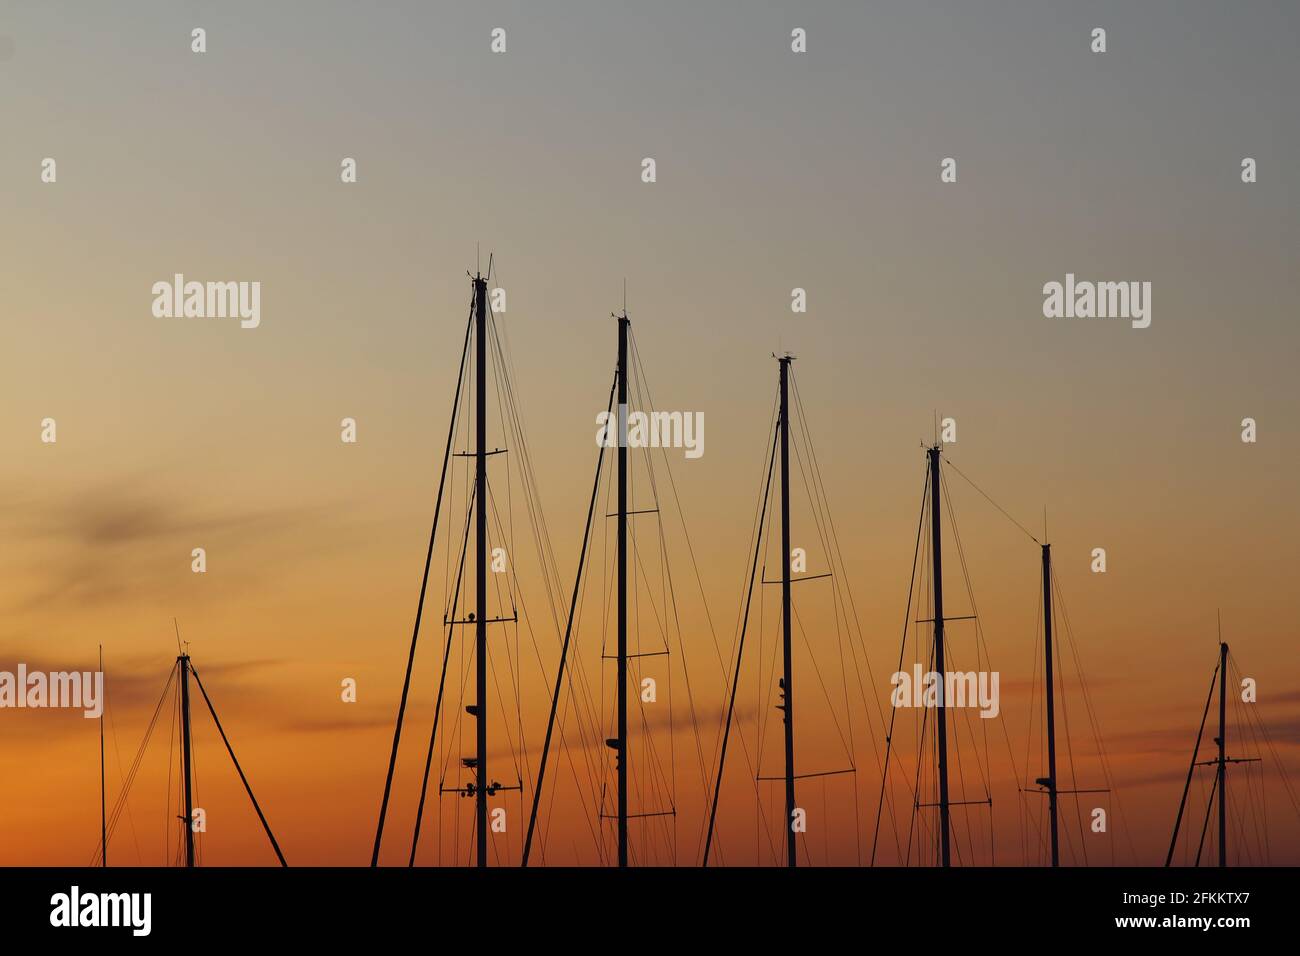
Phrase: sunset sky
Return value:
(775, 170)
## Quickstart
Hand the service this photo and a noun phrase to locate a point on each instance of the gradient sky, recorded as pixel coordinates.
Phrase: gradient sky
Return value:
(775, 170)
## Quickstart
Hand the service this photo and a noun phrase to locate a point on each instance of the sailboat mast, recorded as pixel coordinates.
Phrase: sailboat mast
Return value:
(786, 686)
(1051, 702)
(480, 518)
(103, 816)
(1223, 763)
(620, 753)
(184, 662)
(936, 548)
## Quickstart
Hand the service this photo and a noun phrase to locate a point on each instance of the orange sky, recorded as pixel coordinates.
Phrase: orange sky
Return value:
(774, 172)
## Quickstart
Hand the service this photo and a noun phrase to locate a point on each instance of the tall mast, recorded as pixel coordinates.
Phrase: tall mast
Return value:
(184, 662)
(936, 547)
(103, 817)
(1220, 763)
(620, 750)
(480, 518)
(786, 686)
(1223, 763)
(1051, 701)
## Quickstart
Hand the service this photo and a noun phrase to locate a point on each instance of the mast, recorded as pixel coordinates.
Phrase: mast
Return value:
(184, 662)
(103, 816)
(786, 686)
(480, 518)
(1051, 701)
(1220, 764)
(1223, 762)
(186, 667)
(620, 749)
(936, 547)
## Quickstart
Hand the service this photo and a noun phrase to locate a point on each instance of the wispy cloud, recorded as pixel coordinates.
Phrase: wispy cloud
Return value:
(132, 689)
(120, 539)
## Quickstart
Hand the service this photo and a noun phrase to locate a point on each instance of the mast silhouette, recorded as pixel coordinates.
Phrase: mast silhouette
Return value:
(787, 702)
(1050, 782)
(185, 666)
(1223, 761)
(479, 710)
(480, 330)
(617, 404)
(936, 492)
(620, 745)
(1220, 789)
(762, 541)
(184, 662)
(936, 548)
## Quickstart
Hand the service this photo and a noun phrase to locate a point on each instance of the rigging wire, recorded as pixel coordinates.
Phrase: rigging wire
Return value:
(419, 610)
(731, 705)
(238, 769)
(990, 500)
(907, 615)
(122, 803)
